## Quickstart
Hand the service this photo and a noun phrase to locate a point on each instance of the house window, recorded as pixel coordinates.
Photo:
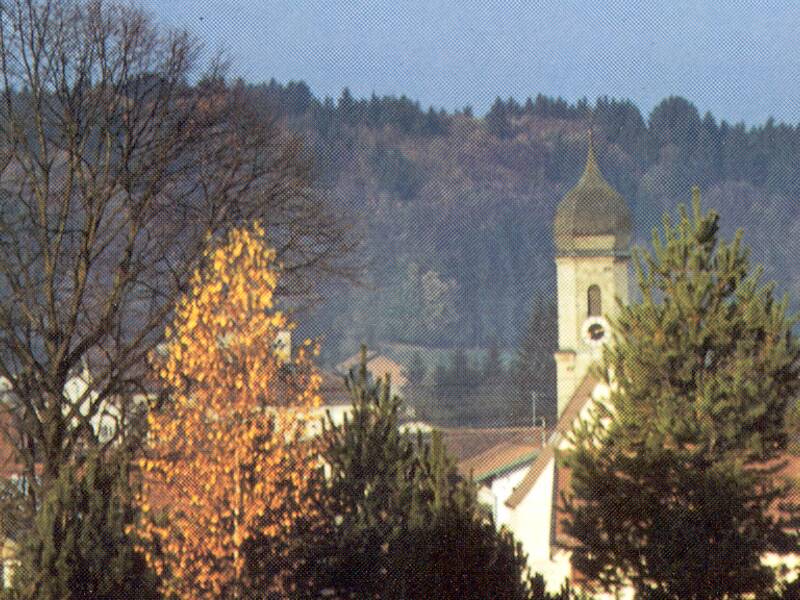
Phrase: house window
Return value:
(594, 302)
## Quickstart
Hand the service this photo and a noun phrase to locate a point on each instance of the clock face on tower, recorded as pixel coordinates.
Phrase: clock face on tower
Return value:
(594, 331)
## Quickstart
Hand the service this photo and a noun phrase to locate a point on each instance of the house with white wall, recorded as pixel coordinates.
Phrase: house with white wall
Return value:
(499, 469)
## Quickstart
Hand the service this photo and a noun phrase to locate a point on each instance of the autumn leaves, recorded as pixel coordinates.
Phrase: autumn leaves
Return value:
(227, 454)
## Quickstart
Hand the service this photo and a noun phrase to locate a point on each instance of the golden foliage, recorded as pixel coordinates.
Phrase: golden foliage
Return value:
(228, 455)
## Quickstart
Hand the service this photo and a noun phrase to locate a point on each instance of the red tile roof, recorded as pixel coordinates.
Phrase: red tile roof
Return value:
(499, 459)
(563, 478)
(464, 443)
(10, 464)
(332, 389)
(379, 365)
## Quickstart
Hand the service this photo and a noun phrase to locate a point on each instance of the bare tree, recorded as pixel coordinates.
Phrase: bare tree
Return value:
(115, 170)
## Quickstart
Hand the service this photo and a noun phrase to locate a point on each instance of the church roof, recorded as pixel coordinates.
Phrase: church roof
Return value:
(591, 208)
(579, 399)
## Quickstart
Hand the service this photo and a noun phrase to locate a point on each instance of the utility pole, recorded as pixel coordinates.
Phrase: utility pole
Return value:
(538, 421)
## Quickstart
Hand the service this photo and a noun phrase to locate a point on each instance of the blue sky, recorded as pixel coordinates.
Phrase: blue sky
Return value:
(739, 59)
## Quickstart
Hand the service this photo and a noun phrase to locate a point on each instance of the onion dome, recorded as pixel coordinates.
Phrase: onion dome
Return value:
(592, 218)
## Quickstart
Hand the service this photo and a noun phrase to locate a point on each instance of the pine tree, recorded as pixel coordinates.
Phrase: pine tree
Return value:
(492, 366)
(78, 547)
(399, 524)
(497, 120)
(534, 369)
(674, 478)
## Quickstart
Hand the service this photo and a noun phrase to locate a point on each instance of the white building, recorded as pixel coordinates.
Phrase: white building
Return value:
(499, 470)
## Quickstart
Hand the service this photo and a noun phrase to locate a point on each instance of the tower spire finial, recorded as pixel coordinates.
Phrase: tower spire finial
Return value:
(591, 160)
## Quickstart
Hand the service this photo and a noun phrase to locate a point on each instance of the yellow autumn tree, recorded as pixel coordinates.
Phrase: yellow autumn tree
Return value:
(227, 455)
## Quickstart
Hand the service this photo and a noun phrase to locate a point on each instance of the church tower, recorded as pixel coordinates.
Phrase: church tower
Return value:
(592, 231)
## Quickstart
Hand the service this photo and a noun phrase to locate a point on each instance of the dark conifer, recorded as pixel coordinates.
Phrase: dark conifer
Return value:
(398, 523)
(498, 121)
(674, 483)
(79, 547)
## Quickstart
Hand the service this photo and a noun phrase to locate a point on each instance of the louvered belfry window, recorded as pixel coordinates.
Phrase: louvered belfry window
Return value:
(594, 302)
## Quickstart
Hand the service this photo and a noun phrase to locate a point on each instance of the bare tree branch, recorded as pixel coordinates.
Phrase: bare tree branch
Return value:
(115, 170)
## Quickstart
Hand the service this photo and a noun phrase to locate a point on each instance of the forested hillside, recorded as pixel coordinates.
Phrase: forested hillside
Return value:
(455, 209)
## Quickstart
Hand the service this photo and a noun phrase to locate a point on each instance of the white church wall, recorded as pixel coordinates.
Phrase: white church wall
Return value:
(531, 522)
(501, 490)
(556, 571)
(566, 274)
(493, 494)
(531, 519)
